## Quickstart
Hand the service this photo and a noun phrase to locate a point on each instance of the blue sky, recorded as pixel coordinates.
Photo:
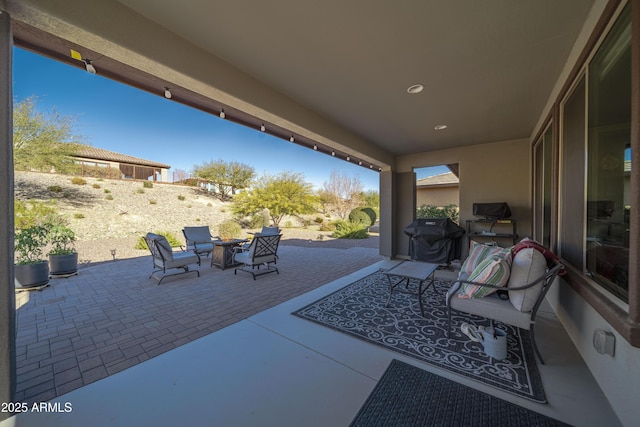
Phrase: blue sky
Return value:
(120, 118)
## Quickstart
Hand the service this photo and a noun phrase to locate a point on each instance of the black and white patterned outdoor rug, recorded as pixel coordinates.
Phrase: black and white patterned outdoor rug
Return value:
(359, 310)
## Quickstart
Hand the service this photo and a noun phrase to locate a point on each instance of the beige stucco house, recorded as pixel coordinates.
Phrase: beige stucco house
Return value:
(438, 190)
(98, 161)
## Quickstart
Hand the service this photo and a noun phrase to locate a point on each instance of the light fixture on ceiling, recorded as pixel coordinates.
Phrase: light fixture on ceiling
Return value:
(89, 66)
(292, 139)
(379, 169)
(370, 166)
(315, 147)
(167, 93)
(440, 127)
(417, 88)
(222, 114)
(348, 159)
(262, 128)
(333, 153)
(360, 163)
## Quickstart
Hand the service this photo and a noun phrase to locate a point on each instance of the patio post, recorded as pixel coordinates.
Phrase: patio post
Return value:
(7, 286)
(397, 210)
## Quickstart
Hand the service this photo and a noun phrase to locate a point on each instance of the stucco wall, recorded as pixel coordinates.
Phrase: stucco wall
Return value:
(437, 196)
(493, 172)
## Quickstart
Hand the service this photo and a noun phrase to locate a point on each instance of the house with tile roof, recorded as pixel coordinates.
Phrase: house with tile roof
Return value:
(438, 190)
(95, 161)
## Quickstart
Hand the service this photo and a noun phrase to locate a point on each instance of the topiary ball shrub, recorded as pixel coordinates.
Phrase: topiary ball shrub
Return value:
(371, 212)
(357, 216)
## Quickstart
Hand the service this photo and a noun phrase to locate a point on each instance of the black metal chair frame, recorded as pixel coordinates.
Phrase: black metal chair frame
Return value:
(264, 252)
(548, 278)
(156, 254)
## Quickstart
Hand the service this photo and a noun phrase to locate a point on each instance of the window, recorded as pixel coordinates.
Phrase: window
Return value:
(608, 203)
(542, 192)
(595, 164)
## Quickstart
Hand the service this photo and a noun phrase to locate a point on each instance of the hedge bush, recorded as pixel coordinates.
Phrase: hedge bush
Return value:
(350, 230)
(171, 238)
(355, 215)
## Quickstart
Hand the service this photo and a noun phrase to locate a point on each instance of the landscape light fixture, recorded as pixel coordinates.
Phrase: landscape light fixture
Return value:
(222, 114)
(167, 93)
(262, 128)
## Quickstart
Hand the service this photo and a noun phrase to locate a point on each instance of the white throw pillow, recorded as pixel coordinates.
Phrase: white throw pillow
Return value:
(527, 265)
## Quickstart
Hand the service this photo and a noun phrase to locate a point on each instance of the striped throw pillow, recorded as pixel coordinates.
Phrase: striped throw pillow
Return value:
(492, 271)
(479, 252)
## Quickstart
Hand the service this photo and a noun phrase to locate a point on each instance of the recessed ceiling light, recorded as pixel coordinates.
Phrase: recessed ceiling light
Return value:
(415, 88)
(440, 127)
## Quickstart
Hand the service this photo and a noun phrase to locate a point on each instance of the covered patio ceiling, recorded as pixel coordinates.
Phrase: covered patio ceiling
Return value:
(487, 67)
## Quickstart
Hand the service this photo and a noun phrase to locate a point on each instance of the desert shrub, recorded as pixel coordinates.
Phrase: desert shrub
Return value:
(318, 220)
(181, 198)
(96, 185)
(109, 197)
(55, 189)
(209, 204)
(140, 191)
(328, 226)
(256, 221)
(171, 238)
(107, 191)
(32, 213)
(153, 202)
(78, 216)
(350, 230)
(288, 224)
(371, 212)
(147, 184)
(306, 223)
(229, 230)
(78, 181)
(359, 217)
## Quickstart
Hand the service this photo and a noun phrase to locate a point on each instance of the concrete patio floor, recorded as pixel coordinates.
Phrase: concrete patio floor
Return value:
(266, 368)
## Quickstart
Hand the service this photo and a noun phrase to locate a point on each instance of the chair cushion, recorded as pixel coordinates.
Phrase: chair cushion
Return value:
(163, 245)
(493, 307)
(491, 271)
(478, 253)
(528, 264)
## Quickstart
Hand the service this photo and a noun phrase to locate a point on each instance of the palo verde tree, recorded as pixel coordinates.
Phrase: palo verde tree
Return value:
(42, 142)
(284, 194)
(226, 177)
(341, 193)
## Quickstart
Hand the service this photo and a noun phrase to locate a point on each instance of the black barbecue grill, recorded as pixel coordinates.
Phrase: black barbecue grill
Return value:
(436, 240)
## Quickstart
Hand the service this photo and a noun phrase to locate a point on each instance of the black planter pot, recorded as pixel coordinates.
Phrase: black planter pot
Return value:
(63, 264)
(31, 275)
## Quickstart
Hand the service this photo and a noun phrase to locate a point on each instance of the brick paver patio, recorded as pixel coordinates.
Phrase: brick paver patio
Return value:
(111, 316)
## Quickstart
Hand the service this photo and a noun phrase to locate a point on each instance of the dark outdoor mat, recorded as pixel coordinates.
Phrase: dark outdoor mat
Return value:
(359, 309)
(409, 396)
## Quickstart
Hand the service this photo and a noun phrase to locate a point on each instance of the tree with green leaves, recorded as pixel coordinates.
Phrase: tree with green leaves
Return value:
(42, 142)
(284, 194)
(226, 177)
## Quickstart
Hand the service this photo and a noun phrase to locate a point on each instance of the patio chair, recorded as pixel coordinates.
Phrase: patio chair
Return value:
(164, 258)
(199, 240)
(527, 284)
(262, 252)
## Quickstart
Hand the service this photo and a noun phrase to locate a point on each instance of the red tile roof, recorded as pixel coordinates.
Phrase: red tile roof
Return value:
(87, 151)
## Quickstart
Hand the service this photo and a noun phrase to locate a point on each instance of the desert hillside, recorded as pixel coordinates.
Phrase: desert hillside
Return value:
(111, 215)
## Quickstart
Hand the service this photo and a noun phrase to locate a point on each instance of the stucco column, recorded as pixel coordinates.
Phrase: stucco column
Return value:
(7, 287)
(397, 210)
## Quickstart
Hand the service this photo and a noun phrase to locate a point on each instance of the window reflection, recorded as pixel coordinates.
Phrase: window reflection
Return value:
(609, 160)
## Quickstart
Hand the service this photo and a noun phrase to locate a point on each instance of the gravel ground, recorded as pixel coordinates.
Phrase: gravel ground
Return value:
(112, 214)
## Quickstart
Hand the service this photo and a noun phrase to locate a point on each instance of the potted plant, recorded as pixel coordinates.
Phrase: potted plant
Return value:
(30, 269)
(63, 257)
